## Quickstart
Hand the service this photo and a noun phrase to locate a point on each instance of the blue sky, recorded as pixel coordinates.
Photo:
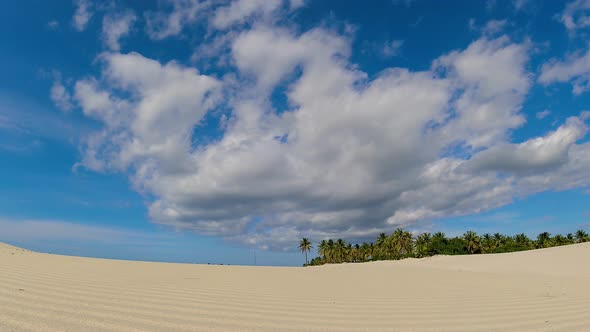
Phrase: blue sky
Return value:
(214, 131)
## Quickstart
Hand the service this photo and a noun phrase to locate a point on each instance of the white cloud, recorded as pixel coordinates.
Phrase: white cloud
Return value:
(392, 48)
(572, 174)
(162, 24)
(82, 15)
(491, 28)
(494, 26)
(216, 49)
(532, 156)
(60, 95)
(220, 15)
(543, 114)
(116, 26)
(240, 10)
(349, 157)
(576, 15)
(494, 80)
(250, 54)
(575, 68)
(294, 4)
(167, 101)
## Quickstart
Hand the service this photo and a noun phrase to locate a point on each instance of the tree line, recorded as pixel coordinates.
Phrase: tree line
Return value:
(401, 244)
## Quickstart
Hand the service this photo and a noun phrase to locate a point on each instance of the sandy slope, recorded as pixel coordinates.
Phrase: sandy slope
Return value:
(537, 290)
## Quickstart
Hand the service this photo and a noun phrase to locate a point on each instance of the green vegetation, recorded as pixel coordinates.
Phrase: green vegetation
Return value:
(305, 246)
(401, 244)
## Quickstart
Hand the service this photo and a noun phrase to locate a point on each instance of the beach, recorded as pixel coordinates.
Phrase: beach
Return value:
(538, 290)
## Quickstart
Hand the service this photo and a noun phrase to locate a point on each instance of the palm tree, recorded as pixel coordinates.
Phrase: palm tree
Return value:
(522, 240)
(348, 253)
(422, 242)
(581, 236)
(543, 240)
(323, 250)
(340, 250)
(438, 243)
(498, 240)
(356, 253)
(331, 251)
(400, 243)
(487, 243)
(394, 243)
(365, 251)
(560, 240)
(305, 246)
(406, 243)
(439, 236)
(473, 242)
(381, 243)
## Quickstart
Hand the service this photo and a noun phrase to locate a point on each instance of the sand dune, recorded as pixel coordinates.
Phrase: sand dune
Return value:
(545, 289)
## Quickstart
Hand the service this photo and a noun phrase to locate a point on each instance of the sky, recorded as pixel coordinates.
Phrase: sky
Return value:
(223, 131)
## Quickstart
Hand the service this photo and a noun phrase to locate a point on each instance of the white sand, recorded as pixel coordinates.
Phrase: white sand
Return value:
(537, 290)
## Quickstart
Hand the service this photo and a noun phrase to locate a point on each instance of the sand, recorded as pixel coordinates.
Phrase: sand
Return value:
(538, 290)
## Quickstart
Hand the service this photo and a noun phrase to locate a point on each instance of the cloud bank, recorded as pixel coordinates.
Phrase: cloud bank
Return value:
(347, 155)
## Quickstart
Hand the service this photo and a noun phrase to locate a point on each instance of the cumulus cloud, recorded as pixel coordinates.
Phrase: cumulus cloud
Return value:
(543, 114)
(494, 26)
(82, 15)
(575, 68)
(116, 26)
(572, 174)
(220, 15)
(155, 125)
(296, 4)
(534, 155)
(491, 28)
(60, 95)
(215, 49)
(346, 155)
(576, 15)
(392, 48)
(163, 24)
(240, 10)
(491, 100)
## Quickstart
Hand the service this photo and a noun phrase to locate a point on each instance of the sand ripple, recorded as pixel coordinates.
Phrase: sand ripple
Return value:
(538, 290)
